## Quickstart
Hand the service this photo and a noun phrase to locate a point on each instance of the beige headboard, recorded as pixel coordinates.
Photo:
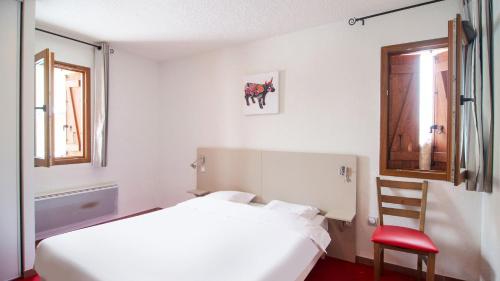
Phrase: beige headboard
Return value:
(297, 177)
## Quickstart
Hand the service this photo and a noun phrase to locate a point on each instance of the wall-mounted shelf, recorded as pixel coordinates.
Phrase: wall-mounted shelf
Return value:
(198, 192)
(341, 215)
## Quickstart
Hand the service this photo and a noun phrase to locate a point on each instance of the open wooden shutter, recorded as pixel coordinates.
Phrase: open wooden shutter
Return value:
(44, 69)
(441, 98)
(74, 107)
(403, 106)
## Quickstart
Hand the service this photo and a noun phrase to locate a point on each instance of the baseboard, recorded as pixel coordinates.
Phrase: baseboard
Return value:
(402, 269)
(29, 273)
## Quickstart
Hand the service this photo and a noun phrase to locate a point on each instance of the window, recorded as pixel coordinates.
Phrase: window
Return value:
(415, 102)
(420, 132)
(62, 112)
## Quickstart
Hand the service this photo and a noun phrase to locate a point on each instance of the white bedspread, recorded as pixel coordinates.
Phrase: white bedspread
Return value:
(201, 239)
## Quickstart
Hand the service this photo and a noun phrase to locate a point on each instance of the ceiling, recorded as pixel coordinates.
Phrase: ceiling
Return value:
(166, 29)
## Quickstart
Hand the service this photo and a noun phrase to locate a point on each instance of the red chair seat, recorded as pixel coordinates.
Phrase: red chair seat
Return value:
(404, 237)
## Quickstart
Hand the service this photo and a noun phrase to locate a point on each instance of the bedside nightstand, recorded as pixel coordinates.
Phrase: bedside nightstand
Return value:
(198, 192)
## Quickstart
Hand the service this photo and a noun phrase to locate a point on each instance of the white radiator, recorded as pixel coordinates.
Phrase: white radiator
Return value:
(64, 211)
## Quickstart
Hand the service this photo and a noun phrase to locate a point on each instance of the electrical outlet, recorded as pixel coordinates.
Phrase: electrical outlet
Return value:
(342, 171)
(372, 221)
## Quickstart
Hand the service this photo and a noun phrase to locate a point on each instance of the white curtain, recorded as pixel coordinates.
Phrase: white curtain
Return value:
(100, 139)
(477, 134)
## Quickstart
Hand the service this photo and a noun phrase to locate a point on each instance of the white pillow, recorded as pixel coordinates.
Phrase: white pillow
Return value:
(304, 211)
(233, 196)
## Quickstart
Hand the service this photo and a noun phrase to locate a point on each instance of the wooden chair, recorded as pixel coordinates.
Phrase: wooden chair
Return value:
(402, 238)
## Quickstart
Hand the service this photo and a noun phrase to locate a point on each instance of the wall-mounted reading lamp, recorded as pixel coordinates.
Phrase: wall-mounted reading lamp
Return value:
(200, 162)
(345, 172)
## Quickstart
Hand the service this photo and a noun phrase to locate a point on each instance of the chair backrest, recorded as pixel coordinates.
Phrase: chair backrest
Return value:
(400, 200)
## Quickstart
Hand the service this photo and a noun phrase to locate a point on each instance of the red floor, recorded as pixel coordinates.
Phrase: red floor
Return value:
(30, 279)
(335, 270)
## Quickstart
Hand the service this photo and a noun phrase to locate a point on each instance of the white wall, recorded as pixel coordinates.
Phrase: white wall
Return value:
(490, 246)
(330, 77)
(133, 147)
(9, 142)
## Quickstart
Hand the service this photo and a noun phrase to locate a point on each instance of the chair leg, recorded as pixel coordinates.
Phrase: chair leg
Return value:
(419, 267)
(377, 250)
(431, 265)
(382, 262)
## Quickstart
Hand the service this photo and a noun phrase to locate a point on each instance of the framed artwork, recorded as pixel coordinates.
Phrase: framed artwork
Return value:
(261, 94)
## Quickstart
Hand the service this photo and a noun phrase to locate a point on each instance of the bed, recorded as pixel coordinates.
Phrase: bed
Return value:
(207, 239)
(199, 239)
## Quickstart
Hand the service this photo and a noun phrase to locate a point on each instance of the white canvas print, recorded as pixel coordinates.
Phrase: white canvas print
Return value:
(261, 94)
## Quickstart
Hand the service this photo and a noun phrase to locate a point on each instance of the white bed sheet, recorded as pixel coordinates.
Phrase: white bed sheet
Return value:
(200, 239)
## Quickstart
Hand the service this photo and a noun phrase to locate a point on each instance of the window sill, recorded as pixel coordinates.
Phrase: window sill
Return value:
(418, 174)
(70, 160)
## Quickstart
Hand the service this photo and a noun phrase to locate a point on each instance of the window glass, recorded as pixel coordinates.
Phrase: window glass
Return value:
(40, 108)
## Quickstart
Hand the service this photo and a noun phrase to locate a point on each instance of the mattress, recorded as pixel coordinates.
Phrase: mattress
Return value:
(200, 239)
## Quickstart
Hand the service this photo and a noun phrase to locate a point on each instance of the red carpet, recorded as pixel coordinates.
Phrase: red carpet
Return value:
(330, 269)
(36, 278)
(335, 270)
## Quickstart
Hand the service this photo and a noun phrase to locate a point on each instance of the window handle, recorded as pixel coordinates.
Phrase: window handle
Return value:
(44, 108)
(438, 128)
(463, 100)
